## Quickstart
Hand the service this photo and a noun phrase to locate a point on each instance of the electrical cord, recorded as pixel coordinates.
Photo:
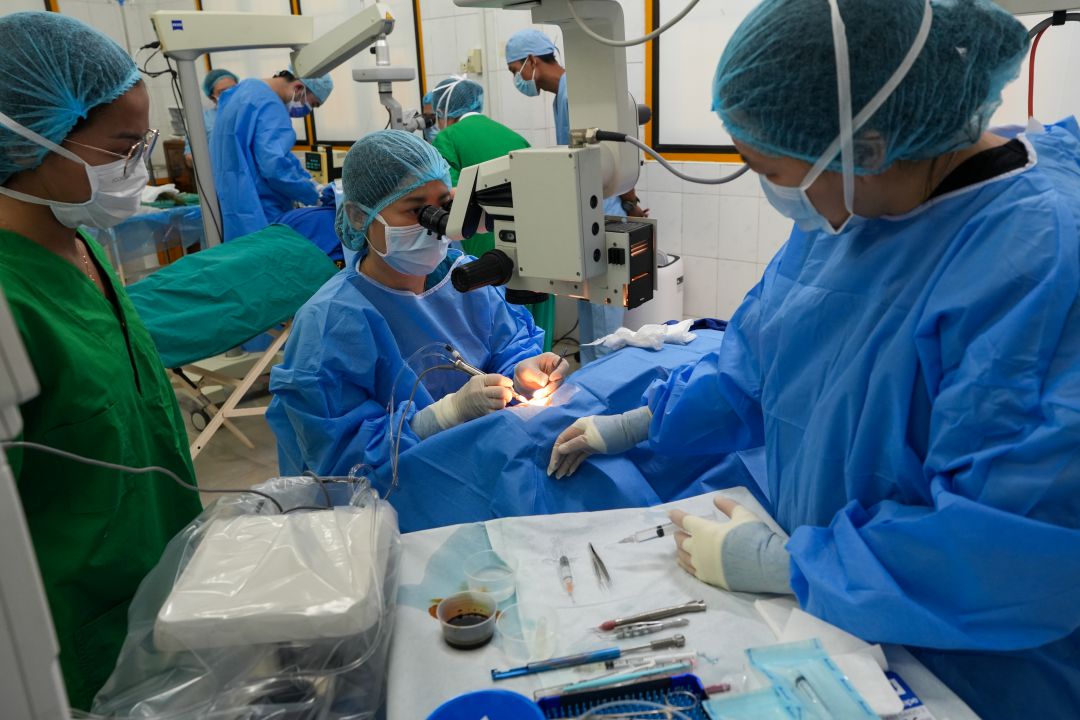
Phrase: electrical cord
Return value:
(602, 135)
(636, 41)
(174, 86)
(568, 333)
(401, 424)
(1036, 33)
(136, 471)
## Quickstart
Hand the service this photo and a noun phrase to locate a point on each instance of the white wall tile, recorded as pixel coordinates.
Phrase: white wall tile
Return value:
(709, 171)
(746, 185)
(667, 209)
(738, 228)
(699, 299)
(773, 231)
(440, 46)
(661, 180)
(437, 9)
(469, 34)
(733, 280)
(701, 214)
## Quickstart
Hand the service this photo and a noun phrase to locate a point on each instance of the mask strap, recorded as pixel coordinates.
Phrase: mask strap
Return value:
(879, 98)
(843, 94)
(20, 129)
(444, 100)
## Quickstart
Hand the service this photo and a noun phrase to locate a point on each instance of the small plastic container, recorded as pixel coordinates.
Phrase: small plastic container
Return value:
(487, 572)
(491, 704)
(467, 619)
(528, 632)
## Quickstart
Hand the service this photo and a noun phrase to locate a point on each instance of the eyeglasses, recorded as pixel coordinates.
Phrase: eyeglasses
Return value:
(138, 153)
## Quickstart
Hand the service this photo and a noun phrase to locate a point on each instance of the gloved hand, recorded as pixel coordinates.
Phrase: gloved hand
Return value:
(541, 375)
(742, 554)
(483, 394)
(608, 434)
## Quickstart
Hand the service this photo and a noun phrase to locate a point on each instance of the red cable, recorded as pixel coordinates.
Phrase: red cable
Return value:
(1031, 73)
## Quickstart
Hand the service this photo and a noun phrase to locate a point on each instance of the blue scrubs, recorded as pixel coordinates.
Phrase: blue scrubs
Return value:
(333, 388)
(916, 383)
(257, 177)
(594, 321)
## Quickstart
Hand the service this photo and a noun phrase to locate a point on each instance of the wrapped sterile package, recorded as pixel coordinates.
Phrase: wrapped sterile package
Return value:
(262, 614)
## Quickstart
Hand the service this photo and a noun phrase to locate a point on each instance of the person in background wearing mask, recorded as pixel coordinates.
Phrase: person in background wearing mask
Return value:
(257, 176)
(428, 112)
(466, 137)
(214, 84)
(530, 57)
(910, 359)
(349, 342)
(74, 138)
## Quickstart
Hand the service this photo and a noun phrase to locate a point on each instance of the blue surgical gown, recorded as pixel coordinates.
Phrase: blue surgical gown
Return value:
(333, 387)
(257, 176)
(594, 321)
(916, 383)
(317, 225)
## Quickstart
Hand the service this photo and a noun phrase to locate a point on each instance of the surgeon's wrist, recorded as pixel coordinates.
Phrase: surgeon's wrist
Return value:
(753, 559)
(425, 423)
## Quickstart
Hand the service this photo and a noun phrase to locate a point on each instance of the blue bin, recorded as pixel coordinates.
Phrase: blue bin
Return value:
(492, 704)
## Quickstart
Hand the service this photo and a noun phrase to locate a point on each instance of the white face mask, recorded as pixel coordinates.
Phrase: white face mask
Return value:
(413, 249)
(113, 197)
(793, 202)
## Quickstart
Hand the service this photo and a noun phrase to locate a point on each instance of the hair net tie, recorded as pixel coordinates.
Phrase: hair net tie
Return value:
(457, 96)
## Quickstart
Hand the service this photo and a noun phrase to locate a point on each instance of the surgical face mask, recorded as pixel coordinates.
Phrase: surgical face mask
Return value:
(793, 202)
(115, 188)
(430, 133)
(299, 108)
(413, 249)
(526, 87)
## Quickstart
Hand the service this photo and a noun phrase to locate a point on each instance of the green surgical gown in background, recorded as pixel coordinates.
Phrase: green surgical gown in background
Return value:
(104, 395)
(472, 140)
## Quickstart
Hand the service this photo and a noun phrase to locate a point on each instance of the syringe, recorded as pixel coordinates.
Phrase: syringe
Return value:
(566, 576)
(651, 533)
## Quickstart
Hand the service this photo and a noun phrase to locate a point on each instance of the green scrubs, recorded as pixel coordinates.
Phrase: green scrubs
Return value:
(104, 395)
(472, 140)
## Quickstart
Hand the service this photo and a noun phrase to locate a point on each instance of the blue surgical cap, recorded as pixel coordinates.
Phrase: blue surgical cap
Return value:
(54, 70)
(528, 42)
(212, 77)
(455, 97)
(426, 100)
(320, 87)
(775, 84)
(381, 168)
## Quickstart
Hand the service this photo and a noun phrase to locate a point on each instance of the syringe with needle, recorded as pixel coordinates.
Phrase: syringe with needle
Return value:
(651, 533)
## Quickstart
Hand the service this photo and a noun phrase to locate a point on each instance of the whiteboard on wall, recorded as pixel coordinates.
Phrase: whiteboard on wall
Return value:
(684, 61)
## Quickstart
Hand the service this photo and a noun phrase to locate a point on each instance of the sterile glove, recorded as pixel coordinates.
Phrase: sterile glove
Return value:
(483, 394)
(541, 375)
(742, 554)
(606, 434)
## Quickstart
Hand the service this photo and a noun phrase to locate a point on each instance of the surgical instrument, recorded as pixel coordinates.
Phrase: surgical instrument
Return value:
(586, 657)
(651, 533)
(660, 614)
(469, 369)
(603, 577)
(649, 628)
